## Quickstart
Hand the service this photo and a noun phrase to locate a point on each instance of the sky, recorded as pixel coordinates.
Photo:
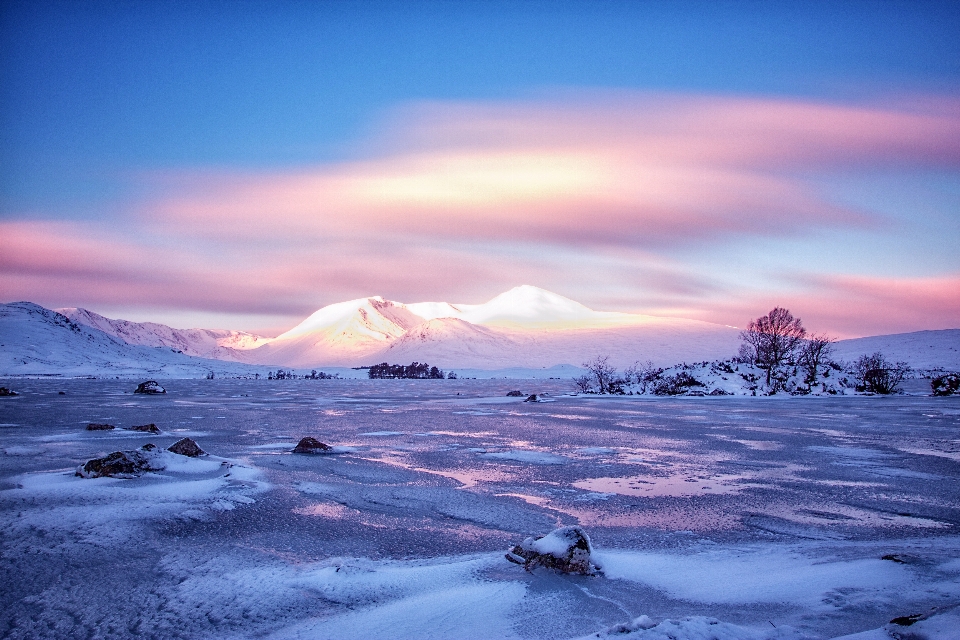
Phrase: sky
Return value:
(242, 164)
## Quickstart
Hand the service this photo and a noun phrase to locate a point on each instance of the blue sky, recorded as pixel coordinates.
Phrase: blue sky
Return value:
(109, 110)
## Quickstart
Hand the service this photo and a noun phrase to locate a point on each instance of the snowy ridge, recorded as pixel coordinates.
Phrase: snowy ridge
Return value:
(218, 344)
(524, 328)
(38, 341)
(920, 349)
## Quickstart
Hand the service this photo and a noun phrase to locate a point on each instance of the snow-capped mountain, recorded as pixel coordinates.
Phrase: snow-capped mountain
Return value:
(341, 334)
(525, 327)
(218, 344)
(38, 341)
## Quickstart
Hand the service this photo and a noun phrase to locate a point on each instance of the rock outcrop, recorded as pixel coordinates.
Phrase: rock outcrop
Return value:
(97, 426)
(187, 447)
(123, 464)
(532, 398)
(146, 428)
(150, 387)
(566, 549)
(516, 393)
(4, 392)
(311, 445)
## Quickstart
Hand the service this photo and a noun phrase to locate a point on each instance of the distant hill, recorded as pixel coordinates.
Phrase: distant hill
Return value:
(920, 349)
(38, 341)
(219, 344)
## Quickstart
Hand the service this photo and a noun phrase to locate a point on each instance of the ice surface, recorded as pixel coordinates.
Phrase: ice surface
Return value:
(402, 535)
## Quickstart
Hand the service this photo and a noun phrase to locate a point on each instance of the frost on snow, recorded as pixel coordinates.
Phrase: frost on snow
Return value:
(566, 549)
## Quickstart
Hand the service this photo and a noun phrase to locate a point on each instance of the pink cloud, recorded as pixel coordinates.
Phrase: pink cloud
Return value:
(71, 264)
(642, 171)
(845, 306)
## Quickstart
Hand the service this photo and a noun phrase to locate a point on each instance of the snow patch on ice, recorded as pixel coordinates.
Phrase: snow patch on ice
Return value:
(529, 457)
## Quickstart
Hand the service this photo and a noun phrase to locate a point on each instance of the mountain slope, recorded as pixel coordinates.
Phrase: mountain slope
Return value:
(454, 343)
(919, 349)
(341, 334)
(219, 344)
(38, 341)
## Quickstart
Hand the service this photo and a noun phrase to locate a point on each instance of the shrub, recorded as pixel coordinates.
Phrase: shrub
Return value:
(876, 375)
(676, 384)
(946, 385)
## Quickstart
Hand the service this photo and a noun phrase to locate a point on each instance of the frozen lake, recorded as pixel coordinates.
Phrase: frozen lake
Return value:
(771, 514)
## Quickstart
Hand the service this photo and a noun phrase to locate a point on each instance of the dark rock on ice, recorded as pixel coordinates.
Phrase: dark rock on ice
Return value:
(311, 445)
(532, 398)
(566, 549)
(146, 428)
(96, 426)
(61, 393)
(515, 394)
(4, 392)
(122, 464)
(150, 387)
(719, 392)
(186, 447)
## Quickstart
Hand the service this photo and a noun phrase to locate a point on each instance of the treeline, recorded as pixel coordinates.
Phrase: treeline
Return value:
(417, 370)
(290, 375)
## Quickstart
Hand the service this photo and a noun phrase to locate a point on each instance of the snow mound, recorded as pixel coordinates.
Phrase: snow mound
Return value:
(694, 628)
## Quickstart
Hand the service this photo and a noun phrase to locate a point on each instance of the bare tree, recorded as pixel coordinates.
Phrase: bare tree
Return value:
(584, 383)
(773, 339)
(602, 371)
(814, 353)
(877, 375)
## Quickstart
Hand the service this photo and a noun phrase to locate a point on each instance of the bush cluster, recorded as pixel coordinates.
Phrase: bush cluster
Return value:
(417, 370)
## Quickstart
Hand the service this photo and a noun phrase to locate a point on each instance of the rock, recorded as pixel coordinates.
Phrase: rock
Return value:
(532, 398)
(122, 464)
(150, 387)
(4, 392)
(515, 394)
(719, 392)
(61, 393)
(146, 428)
(96, 426)
(311, 445)
(186, 447)
(566, 549)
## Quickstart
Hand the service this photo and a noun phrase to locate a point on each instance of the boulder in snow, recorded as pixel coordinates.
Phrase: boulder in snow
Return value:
(123, 464)
(516, 393)
(4, 392)
(311, 445)
(146, 428)
(566, 549)
(186, 447)
(97, 426)
(150, 387)
(532, 398)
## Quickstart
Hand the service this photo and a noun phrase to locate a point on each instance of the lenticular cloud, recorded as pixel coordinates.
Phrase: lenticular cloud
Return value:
(647, 170)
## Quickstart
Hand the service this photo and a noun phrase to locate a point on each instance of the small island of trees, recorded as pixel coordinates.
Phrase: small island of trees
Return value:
(415, 370)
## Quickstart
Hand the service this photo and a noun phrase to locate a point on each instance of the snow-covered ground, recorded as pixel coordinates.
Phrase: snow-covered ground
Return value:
(711, 517)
